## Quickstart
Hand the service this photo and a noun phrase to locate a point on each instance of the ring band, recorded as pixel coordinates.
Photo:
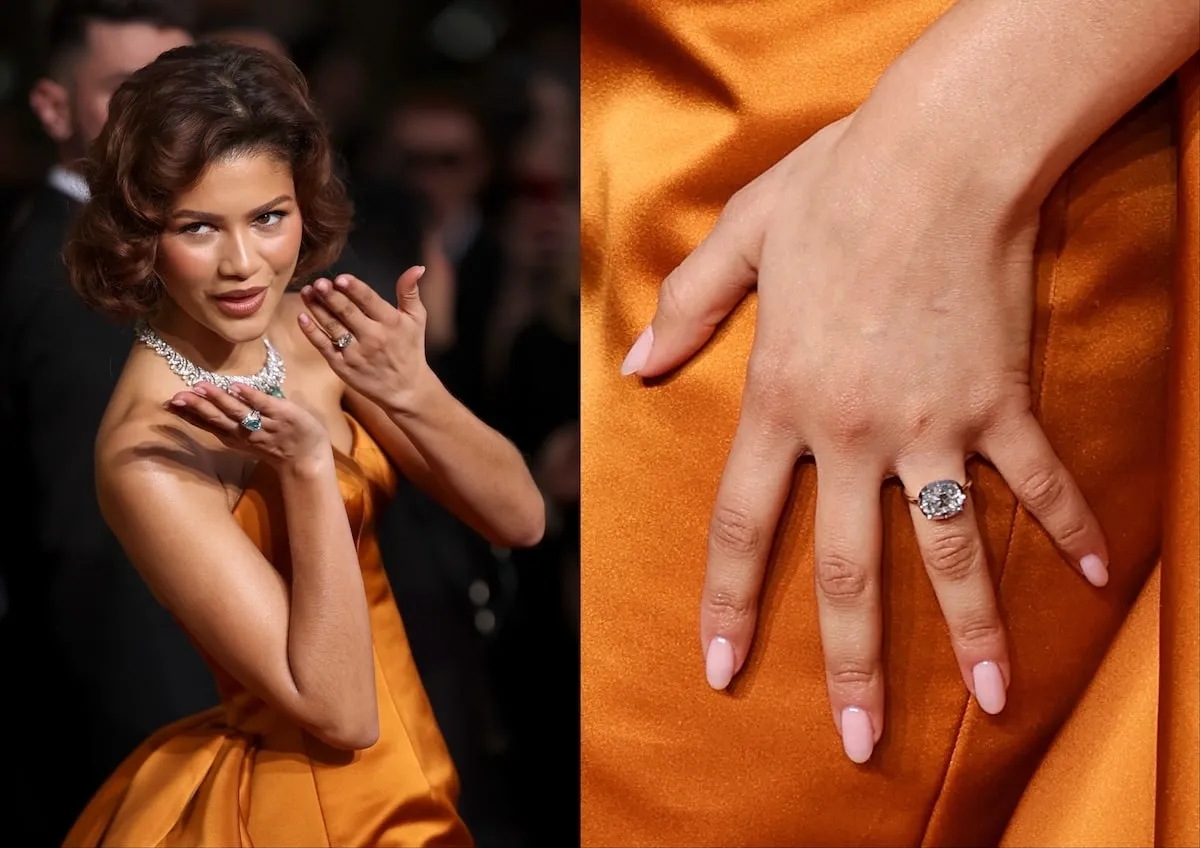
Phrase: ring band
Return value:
(941, 499)
(252, 421)
(343, 341)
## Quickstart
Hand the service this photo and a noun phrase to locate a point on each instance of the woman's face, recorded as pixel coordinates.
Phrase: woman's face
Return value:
(231, 245)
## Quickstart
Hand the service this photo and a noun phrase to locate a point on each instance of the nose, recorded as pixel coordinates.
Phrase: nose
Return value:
(238, 258)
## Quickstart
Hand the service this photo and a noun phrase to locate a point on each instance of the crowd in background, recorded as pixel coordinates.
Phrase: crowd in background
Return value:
(457, 127)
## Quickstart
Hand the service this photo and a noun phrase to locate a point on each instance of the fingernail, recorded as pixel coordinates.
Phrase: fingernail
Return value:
(1093, 569)
(341, 282)
(235, 390)
(635, 360)
(178, 402)
(304, 320)
(322, 286)
(858, 737)
(198, 389)
(420, 271)
(990, 690)
(718, 663)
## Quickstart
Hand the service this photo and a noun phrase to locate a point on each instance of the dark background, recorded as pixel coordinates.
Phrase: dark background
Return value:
(494, 632)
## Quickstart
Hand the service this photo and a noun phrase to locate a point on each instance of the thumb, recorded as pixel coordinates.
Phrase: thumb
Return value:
(408, 297)
(700, 293)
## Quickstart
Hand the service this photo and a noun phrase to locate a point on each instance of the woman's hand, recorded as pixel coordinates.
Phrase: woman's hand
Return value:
(892, 339)
(377, 350)
(277, 431)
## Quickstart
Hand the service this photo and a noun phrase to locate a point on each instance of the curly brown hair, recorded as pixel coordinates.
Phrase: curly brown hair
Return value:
(190, 107)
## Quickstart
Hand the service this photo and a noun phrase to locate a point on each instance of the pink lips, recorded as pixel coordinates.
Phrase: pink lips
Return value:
(240, 304)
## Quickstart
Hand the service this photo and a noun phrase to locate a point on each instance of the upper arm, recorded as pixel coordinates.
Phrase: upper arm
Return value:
(405, 456)
(171, 515)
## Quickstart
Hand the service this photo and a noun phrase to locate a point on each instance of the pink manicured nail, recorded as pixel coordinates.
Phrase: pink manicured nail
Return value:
(199, 390)
(635, 360)
(718, 663)
(858, 737)
(1093, 569)
(990, 690)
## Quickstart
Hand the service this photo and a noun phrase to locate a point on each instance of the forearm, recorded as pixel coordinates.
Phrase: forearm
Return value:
(998, 98)
(329, 631)
(481, 474)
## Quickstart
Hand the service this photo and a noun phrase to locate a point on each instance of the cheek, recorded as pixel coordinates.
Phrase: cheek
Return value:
(184, 267)
(283, 251)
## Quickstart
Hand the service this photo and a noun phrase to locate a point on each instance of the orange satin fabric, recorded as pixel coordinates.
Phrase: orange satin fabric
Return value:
(1131, 750)
(683, 104)
(241, 774)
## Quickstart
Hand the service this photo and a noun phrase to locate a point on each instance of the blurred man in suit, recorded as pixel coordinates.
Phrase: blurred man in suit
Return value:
(83, 636)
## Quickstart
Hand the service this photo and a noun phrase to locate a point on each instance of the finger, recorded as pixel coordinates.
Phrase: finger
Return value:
(202, 412)
(1023, 456)
(364, 298)
(229, 405)
(848, 542)
(268, 406)
(317, 337)
(324, 318)
(342, 308)
(753, 489)
(696, 296)
(952, 549)
(407, 293)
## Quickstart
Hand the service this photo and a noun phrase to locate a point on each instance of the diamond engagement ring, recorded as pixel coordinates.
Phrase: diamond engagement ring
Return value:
(941, 499)
(343, 341)
(252, 421)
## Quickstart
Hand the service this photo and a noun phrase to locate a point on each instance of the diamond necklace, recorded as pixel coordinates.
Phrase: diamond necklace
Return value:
(268, 380)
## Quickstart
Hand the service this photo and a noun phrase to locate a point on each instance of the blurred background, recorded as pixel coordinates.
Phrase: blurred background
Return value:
(457, 126)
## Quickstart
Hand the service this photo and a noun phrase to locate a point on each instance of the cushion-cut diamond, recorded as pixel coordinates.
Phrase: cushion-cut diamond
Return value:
(942, 499)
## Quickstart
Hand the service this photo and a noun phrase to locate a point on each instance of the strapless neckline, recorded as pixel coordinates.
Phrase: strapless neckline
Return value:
(342, 459)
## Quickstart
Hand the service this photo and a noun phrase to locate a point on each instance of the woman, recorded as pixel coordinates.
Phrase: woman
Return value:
(960, 222)
(247, 502)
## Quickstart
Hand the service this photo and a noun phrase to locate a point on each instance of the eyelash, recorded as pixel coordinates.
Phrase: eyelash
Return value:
(190, 229)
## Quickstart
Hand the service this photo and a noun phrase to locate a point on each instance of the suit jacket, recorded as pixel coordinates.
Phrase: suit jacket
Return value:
(82, 627)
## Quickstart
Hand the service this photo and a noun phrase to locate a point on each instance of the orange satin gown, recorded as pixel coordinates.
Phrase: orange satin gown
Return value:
(683, 103)
(241, 774)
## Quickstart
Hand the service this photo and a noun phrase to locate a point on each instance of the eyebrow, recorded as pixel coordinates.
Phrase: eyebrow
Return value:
(208, 216)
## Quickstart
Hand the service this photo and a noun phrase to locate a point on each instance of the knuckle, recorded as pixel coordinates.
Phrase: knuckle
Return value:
(734, 533)
(1043, 491)
(845, 416)
(728, 605)
(671, 304)
(853, 674)
(740, 205)
(1072, 531)
(976, 631)
(840, 579)
(953, 555)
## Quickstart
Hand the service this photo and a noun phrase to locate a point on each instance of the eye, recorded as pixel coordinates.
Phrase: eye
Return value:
(197, 228)
(270, 219)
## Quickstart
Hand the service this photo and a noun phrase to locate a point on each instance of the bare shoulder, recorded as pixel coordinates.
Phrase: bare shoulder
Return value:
(140, 442)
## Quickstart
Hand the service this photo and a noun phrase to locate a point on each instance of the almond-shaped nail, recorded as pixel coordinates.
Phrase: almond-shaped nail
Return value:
(718, 663)
(1094, 570)
(858, 736)
(635, 360)
(990, 689)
